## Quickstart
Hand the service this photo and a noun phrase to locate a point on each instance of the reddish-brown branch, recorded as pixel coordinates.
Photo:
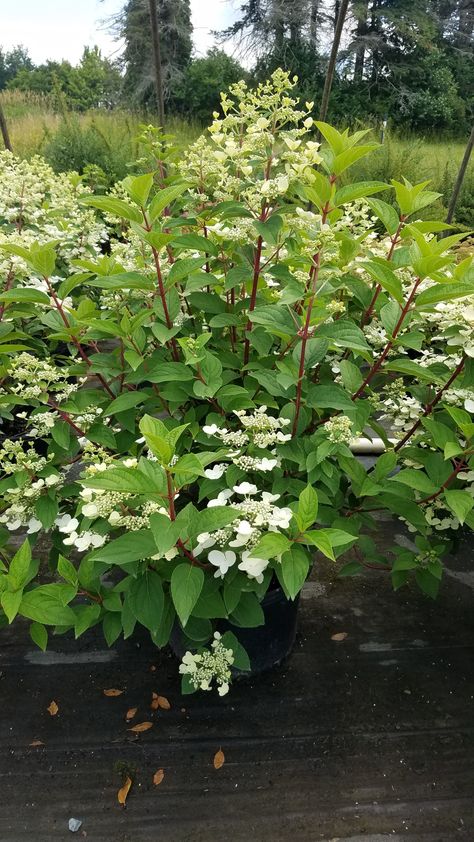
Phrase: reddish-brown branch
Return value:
(253, 296)
(430, 406)
(379, 362)
(8, 285)
(378, 288)
(460, 467)
(67, 418)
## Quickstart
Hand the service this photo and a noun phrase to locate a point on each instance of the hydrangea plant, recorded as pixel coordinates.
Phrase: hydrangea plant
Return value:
(187, 363)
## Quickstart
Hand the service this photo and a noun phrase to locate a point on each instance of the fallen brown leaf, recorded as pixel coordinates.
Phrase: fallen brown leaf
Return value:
(219, 759)
(123, 792)
(160, 702)
(130, 714)
(142, 726)
(52, 708)
(339, 636)
(36, 743)
(158, 777)
(113, 692)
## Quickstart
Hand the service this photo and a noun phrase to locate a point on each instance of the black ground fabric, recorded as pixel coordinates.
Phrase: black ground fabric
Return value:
(362, 739)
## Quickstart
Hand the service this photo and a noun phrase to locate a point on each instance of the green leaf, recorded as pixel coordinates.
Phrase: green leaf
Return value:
(351, 376)
(133, 546)
(195, 242)
(146, 599)
(270, 545)
(46, 511)
(184, 266)
(443, 292)
(211, 519)
(127, 480)
(345, 159)
(186, 585)
(86, 617)
(386, 213)
(112, 627)
(25, 296)
(307, 508)
(416, 479)
(329, 397)
(384, 466)
(358, 191)
(381, 272)
(128, 400)
(241, 659)
(45, 604)
(344, 334)
(39, 635)
(460, 502)
(427, 583)
(10, 602)
(138, 187)
(294, 570)
(116, 207)
(19, 567)
(326, 539)
(270, 229)
(67, 570)
(248, 613)
(164, 198)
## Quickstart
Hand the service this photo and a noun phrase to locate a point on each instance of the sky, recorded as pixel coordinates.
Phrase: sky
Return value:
(58, 29)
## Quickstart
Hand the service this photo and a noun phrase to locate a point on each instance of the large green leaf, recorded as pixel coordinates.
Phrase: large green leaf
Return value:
(294, 570)
(46, 604)
(146, 599)
(133, 546)
(187, 581)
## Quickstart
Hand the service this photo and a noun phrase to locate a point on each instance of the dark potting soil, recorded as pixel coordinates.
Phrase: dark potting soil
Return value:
(362, 739)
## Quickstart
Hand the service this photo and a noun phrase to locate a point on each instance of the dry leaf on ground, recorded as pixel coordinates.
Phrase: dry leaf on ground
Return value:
(339, 636)
(142, 726)
(130, 714)
(158, 777)
(219, 759)
(113, 692)
(36, 743)
(53, 708)
(160, 702)
(123, 792)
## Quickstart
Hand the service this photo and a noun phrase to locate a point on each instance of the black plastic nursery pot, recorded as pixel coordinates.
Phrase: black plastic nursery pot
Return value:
(267, 645)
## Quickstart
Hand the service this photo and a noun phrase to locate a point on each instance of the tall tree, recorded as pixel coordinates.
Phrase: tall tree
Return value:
(341, 18)
(132, 25)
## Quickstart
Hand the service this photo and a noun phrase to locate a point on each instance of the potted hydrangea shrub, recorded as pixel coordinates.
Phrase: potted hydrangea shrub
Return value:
(187, 366)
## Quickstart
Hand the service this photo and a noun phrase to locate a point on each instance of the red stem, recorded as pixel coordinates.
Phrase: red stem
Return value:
(253, 297)
(379, 362)
(429, 407)
(378, 289)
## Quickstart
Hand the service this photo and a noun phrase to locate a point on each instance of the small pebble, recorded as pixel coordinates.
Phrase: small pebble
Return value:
(74, 825)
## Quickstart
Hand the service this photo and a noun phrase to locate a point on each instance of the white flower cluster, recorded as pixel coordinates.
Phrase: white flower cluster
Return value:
(41, 205)
(259, 429)
(398, 407)
(339, 429)
(120, 509)
(17, 455)
(34, 377)
(209, 665)
(257, 515)
(20, 503)
(81, 540)
(235, 162)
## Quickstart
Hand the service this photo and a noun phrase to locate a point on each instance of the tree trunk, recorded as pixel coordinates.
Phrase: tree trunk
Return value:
(155, 40)
(460, 177)
(361, 31)
(313, 22)
(4, 131)
(332, 59)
